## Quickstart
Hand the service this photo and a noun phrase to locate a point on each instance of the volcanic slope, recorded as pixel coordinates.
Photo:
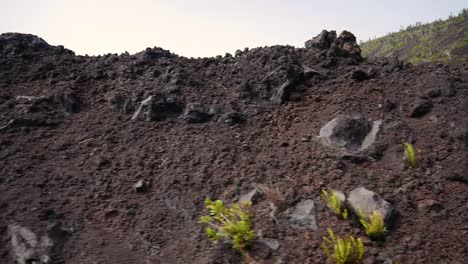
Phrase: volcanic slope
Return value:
(111, 157)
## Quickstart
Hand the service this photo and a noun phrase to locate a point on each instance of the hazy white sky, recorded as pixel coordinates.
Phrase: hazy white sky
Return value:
(208, 27)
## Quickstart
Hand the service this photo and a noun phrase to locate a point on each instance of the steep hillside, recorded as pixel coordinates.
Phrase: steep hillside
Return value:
(442, 40)
(109, 159)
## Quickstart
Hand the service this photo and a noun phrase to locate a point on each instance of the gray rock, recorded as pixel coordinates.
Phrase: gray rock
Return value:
(25, 245)
(28, 248)
(366, 201)
(142, 113)
(195, 113)
(272, 243)
(140, 186)
(350, 135)
(157, 108)
(302, 215)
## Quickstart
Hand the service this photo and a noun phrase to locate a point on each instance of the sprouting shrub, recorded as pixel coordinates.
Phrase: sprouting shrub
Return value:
(343, 250)
(411, 154)
(332, 200)
(230, 224)
(374, 225)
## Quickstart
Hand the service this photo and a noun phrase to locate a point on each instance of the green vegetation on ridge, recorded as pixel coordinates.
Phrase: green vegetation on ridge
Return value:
(441, 40)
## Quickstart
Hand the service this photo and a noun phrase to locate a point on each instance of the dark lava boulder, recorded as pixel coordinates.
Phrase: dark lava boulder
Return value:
(322, 40)
(345, 46)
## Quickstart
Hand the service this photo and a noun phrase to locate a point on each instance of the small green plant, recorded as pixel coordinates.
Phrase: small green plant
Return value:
(343, 250)
(411, 154)
(232, 225)
(333, 201)
(374, 225)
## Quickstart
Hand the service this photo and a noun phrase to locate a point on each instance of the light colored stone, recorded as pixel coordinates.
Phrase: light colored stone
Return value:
(366, 201)
(302, 215)
(140, 186)
(350, 135)
(145, 104)
(28, 248)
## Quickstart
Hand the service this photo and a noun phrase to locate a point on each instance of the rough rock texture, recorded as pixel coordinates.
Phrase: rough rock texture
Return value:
(301, 215)
(365, 201)
(70, 152)
(28, 248)
(350, 135)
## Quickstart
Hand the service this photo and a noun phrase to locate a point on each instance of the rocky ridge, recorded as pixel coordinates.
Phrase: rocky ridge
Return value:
(121, 150)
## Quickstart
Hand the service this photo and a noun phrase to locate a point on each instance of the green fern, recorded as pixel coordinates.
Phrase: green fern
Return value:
(233, 225)
(343, 250)
(411, 154)
(374, 225)
(332, 200)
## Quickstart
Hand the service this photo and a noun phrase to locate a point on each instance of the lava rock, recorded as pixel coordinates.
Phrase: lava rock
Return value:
(157, 109)
(17, 42)
(195, 113)
(302, 215)
(363, 200)
(233, 118)
(140, 186)
(71, 103)
(25, 245)
(345, 46)
(197, 116)
(350, 135)
(458, 177)
(272, 243)
(420, 108)
(322, 40)
(28, 248)
(359, 75)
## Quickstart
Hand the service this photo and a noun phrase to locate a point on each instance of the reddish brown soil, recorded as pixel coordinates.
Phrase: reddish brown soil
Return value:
(78, 167)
